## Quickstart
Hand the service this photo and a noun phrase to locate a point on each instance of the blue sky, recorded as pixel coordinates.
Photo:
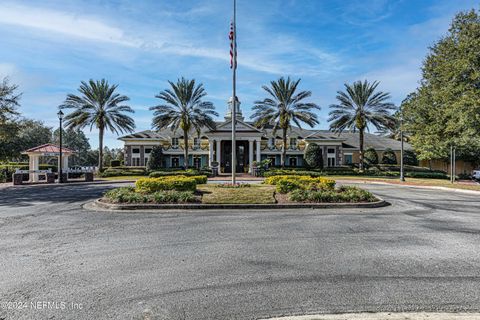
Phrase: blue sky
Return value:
(48, 47)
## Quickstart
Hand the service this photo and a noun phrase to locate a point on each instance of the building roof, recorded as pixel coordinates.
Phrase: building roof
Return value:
(351, 141)
(48, 148)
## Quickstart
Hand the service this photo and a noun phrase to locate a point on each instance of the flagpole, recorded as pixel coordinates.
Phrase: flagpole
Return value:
(234, 105)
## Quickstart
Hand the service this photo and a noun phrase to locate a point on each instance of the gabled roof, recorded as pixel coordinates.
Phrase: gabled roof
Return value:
(351, 141)
(147, 134)
(48, 148)
(239, 125)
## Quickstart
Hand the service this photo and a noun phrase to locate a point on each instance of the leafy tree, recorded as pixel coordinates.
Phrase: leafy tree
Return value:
(445, 109)
(9, 100)
(22, 135)
(359, 106)
(410, 158)
(371, 156)
(283, 107)
(389, 157)
(182, 108)
(156, 159)
(99, 106)
(313, 156)
(76, 140)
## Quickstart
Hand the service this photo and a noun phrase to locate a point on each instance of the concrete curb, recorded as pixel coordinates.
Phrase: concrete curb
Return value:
(410, 186)
(200, 206)
(386, 316)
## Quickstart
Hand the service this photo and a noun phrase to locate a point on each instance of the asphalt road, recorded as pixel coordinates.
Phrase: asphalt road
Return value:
(421, 253)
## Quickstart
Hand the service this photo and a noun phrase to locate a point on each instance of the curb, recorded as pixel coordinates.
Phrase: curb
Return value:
(385, 316)
(98, 204)
(410, 186)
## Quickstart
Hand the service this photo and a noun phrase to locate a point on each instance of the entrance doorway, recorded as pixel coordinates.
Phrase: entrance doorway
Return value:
(242, 156)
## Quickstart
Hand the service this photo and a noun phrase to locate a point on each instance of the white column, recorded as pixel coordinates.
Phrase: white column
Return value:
(30, 167)
(210, 152)
(219, 151)
(250, 155)
(35, 167)
(258, 151)
(65, 162)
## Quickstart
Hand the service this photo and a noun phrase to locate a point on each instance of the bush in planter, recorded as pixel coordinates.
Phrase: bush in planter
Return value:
(370, 156)
(343, 194)
(286, 184)
(178, 183)
(389, 157)
(125, 195)
(155, 160)
(313, 156)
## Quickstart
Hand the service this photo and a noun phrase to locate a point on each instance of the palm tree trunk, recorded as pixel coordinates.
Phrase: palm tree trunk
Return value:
(100, 150)
(185, 149)
(284, 151)
(361, 149)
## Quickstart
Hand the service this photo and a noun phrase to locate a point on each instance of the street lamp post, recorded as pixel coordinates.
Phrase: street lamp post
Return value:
(60, 169)
(402, 175)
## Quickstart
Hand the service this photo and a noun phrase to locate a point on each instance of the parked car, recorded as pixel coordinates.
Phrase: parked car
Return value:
(476, 174)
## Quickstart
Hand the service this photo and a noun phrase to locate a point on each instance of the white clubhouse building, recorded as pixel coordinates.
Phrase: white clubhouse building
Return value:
(253, 144)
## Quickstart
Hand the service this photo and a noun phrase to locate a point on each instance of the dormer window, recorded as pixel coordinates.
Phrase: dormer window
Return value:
(196, 142)
(271, 142)
(174, 142)
(293, 142)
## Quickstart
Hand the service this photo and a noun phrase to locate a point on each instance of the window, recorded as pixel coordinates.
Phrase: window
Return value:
(292, 161)
(271, 142)
(175, 162)
(174, 142)
(293, 143)
(136, 162)
(196, 142)
(331, 155)
(148, 150)
(197, 162)
(136, 150)
(146, 160)
(348, 159)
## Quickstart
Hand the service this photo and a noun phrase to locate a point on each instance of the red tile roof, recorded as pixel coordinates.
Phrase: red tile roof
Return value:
(49, 148)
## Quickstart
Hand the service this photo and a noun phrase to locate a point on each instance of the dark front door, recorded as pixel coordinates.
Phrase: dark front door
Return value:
(242, 156)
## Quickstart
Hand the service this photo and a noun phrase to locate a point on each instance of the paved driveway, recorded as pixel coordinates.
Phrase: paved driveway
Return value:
(421, 253)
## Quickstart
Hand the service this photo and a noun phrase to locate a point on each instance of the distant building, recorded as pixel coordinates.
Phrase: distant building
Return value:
(253, 144)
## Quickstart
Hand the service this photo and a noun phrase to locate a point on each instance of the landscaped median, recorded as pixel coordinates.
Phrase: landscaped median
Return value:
(182, 192)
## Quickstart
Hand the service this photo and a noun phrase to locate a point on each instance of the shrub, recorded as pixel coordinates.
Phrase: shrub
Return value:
(313, 156)
(115, 163)
(155, 160)
(278, 172)
(125, 195)
(123, 171)
(427, 175)
(410, 158)
(173, 197)
(200, 179)
(343, 194)
(370, 156)
(286, 184)
(178, 183)
(389, 157)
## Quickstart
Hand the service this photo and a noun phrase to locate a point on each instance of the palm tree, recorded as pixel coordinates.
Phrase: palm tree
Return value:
(394, 131)
(360, 106)
(101, 107)
(283, 107)
(182, 108)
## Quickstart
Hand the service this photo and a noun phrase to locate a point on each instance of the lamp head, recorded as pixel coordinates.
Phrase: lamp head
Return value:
(60, 115)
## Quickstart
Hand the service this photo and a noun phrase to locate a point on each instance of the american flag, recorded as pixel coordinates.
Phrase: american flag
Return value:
(233, 55)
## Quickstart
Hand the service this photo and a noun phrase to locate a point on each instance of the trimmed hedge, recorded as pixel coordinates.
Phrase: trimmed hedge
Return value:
(286, 184)
(123, 171)
(342, 194)
(128, 195)
(178, 183)
(187, 173)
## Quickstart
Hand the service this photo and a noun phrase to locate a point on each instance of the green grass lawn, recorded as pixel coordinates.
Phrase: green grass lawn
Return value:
(262, 194)
(413, 182)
